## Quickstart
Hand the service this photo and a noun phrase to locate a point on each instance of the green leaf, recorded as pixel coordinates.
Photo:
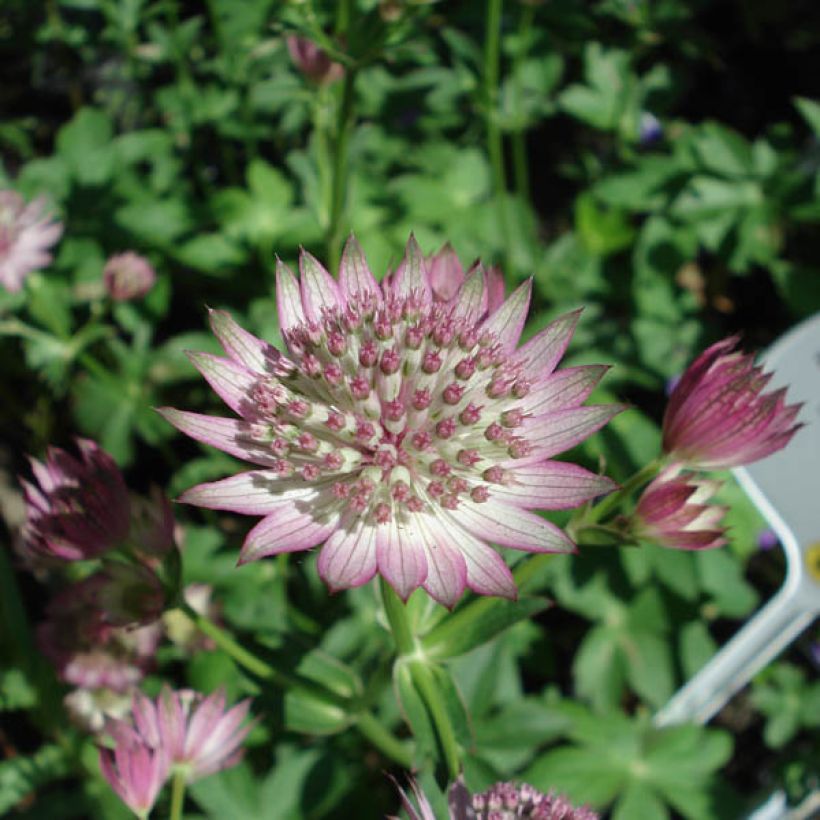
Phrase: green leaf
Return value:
(599, 668)
(415, 713)
(706, 197)
(721, 577)
(639, 802)
(211, 253)
(810, 111)
(722, 151)
(478, 622)
(602, 229)
(696, 647)
(157, 222)
(23, 775)
(85, 145)
(16, 691)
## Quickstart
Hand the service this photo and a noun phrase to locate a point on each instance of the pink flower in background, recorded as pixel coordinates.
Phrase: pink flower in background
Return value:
(78, 508)
(128, 276)
(198, 735)
(136, 771)
(403, 433)
(718, 415)
(312, 61)
(672, 511)
(503, 801)
(26, 234)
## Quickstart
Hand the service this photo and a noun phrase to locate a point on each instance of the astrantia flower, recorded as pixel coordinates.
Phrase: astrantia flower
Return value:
(136, 771)
(196, 734)
(80, 508)
(403, 433)
(673, 512)
(26, 234)
(718, 415)
(128, 276)
(312, 61)
(503, 801)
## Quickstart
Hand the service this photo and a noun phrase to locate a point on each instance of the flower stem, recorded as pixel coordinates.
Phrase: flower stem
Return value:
(396, 614)
(177, 795)
(614, 500)
(426, 686)
(492, 49)
(519, 141)
(391, 747)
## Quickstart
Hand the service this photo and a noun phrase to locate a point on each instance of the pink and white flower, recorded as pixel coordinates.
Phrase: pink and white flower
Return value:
(134, 769)
(718, 415)
(402, 432)
(128, 276)
(673, 512)
(26, 234)
(78, 508)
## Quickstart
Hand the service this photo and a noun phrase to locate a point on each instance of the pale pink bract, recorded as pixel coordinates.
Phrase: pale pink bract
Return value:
(718, 415)
(673, 512)
(403, 432)
(26, 234)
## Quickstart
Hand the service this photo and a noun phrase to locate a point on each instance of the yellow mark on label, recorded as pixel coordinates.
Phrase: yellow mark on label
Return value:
(813, 560)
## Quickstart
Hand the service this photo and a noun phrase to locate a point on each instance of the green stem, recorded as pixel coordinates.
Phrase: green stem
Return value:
(426, 686)
(396, 614)
(492, 50)
(340, 168)
(519, 138)
(391, 747)
(614, 500)
(177, 795)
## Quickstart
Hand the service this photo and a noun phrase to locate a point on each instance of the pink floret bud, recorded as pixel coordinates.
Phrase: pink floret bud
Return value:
(128, 276)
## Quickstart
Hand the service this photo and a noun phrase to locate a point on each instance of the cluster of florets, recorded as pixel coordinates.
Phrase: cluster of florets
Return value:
(508, 801)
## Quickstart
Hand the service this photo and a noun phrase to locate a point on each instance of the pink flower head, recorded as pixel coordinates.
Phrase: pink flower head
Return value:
(197, 734)
(312, 61)
(135, 770)
(88, 650)
(128, 276)
(718, 415)
(80, 508)
(672, 511)
(503, 801)
(402, 433)
(26, 234)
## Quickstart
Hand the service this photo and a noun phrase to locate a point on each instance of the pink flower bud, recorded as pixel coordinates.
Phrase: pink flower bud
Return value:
(128, 276)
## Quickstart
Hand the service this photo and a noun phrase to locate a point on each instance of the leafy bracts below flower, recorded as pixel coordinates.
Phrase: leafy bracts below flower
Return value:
(403, 433)
(503, 801)
(26, 234)
(78, 508)
(672, 511)
(718, 415)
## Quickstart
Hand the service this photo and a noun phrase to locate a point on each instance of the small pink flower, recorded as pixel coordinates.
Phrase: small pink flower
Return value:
(79, 508)
(26, 234)
(128, 276)
(503, 801)
(672, 511)
(135, 770)
(312, 61)
(197, 734)
(404, 433)
(718, 415)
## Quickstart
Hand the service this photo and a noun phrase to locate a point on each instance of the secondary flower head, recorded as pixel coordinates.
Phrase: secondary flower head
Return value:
(197, 734)
(78, 508)
(312, 61)
(503, 801)
(26, 234)
(136, 771)
(673, 512)
(128, 276)
(718, 415)
(403, 433)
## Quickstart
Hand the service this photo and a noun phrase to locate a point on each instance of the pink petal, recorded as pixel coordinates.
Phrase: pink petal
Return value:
(487, 574)
(288, 298)
(564, 388)
(555, 432)
(508, 321)
(411, 275)
(510, 526)
(231, 382)
(495, 288)
(354, 273)
(446, 567)
(551, 485)
(471, 300)
(289, 530)
(400, 555)
(257, 492)
(348, 558)
(320, 292)
(245, 348)
(543, 352)
(234, 436)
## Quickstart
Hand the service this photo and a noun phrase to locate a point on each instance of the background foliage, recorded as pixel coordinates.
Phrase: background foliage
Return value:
(656, 162)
